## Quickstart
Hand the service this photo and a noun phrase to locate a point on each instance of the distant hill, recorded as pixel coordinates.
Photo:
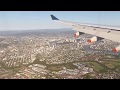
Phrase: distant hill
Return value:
(31, 32)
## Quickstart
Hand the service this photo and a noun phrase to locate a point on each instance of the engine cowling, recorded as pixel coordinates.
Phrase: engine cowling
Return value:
(78, 33)
(94, 38)
(116, 49)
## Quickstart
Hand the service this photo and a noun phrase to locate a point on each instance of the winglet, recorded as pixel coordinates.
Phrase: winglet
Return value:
(53, 17)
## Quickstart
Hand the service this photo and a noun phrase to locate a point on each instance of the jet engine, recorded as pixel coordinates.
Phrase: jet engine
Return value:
(78, 33)
(116, 49)
(94, 38)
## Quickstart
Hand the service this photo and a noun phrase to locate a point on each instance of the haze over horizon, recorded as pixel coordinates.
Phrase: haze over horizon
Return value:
(31, 20)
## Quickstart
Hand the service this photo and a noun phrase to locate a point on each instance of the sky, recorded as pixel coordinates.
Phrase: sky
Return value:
(29, 20)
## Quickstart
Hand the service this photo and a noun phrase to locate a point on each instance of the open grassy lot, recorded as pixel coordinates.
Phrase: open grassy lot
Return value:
(97, 67)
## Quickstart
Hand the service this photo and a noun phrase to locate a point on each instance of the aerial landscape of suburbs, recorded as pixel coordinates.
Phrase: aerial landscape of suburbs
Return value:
(56, 54)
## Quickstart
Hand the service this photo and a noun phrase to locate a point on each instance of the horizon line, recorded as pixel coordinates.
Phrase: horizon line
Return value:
(33, 29)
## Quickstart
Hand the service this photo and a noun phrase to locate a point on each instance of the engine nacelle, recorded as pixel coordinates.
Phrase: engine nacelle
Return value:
(78, 33)
(116, 49)
(94, 38)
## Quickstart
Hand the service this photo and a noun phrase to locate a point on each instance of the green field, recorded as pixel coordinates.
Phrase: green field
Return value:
(109, 65)
(116, 63)
(97, 67)
(87, 76)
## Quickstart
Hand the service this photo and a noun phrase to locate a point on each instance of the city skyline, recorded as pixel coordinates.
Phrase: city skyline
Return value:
(29, 20)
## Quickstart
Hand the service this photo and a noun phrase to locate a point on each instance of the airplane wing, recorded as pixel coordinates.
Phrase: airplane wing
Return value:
(99, 31)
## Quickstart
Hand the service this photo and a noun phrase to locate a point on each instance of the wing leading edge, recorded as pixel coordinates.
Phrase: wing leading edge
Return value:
(103, 31)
